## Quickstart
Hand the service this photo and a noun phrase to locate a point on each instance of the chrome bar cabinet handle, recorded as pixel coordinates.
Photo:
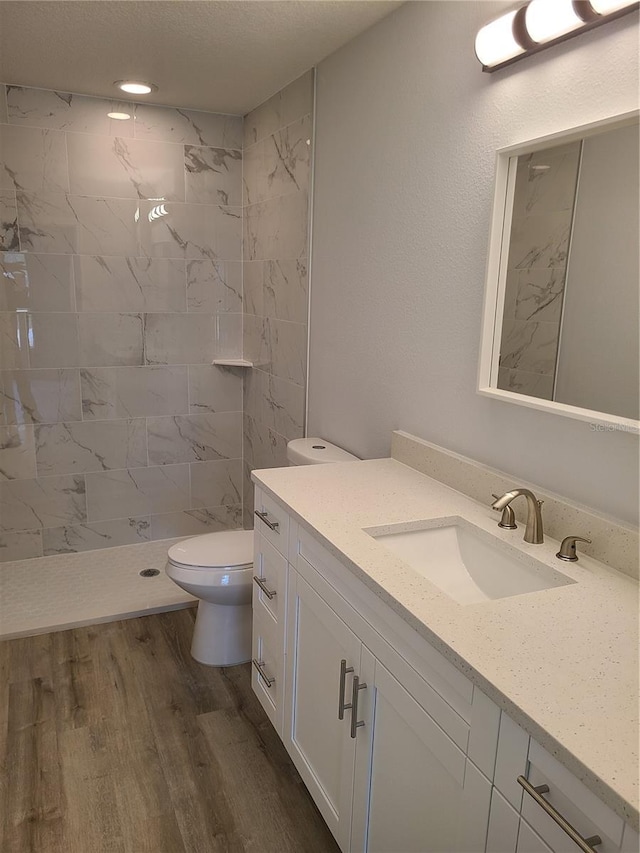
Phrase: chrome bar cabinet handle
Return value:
(262, 583)
(273, 525)
(259, 665)
(342, 705)
(355, 723)
(536, 792)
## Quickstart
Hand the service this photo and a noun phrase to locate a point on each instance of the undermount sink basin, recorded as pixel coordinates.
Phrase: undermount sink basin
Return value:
(467, 563)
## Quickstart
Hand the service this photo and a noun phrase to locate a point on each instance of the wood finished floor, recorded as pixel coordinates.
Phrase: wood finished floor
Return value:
(114, 740)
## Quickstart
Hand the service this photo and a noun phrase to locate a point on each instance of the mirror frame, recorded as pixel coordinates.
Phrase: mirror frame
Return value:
(496, 274)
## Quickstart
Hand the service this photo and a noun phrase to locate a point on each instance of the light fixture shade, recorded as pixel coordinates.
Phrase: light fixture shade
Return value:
(549, 19)
(495, 42)
(606, 7)
(133, 87)
(119, 116)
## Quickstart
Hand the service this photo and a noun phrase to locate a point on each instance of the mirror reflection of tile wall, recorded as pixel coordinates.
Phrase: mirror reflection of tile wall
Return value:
(121, 279)
(541, 227)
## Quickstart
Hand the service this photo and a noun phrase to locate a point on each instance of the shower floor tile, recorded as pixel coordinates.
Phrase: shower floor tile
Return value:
(70, 590)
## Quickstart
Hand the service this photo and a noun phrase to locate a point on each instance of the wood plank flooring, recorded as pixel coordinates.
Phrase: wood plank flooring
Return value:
(114, 740)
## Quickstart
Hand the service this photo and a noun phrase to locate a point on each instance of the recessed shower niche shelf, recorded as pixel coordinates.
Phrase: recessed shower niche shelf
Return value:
(232, 362)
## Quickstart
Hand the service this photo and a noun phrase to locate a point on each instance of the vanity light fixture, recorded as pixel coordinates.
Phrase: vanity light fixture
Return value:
(540, 24)
(134, 87)
(119, 116)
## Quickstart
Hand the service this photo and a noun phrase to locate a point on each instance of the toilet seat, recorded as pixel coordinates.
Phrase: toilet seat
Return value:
(228, 551)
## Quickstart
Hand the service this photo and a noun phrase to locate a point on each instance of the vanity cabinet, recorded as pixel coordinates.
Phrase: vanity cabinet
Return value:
(399, 750)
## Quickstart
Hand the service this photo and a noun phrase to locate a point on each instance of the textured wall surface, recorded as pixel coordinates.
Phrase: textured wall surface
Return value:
(406, 134)
(277, 155)
(121, 261)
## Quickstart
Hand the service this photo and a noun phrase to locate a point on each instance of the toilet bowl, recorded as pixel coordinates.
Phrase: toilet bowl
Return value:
(217, 568)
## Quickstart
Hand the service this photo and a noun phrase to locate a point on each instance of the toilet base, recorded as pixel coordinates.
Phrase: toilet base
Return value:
(222, 634)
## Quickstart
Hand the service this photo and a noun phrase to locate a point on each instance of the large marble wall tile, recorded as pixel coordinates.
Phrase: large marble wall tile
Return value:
(14, 342)
(59, 223)
(537, 294)
(194, 522)
(546, 180)
(214, 286)
(191, 231)
(107, 284)
(277, 228)
(228, 336)
(46, 502)
(71, 448)
(194, 438)
(279, 164)
(253, 393)
(133, 392)
(291, 103)
(216, 483)
(214, 389)
(531, 347)
(283, 407)
(213, 175)
(4, 116)
(263, 447)
(287, 347)
(286, 290)
(17, 453)
(188, 126)
(20, 545)
(111, 340)
(33, 159)
(62, 111)
(255, 342)
(253, 287)
(247, 496)
(99, 534)
(521, 382)
(35, 282)
(137, 492)
(540, 241)
(179, 339)
(53, 340)
(40, 396)
(9, 237)
(125, 168)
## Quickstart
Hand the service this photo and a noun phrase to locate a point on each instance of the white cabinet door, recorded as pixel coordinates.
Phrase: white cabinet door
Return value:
(320, 743)
(424, 795)
(529, 841)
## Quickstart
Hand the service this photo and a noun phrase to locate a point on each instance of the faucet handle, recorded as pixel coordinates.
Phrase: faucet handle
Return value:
(508, 520)
(568, 548)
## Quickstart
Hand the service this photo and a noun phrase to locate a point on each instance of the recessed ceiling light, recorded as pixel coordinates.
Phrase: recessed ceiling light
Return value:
(133, 87)
(119, 116)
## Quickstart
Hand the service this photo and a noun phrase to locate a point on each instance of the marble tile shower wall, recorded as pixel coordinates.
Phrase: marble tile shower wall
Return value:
(121, 262)
(537, 267)
(277, 156)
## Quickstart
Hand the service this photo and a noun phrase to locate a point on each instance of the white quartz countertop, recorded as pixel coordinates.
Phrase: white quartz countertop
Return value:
(562, 662)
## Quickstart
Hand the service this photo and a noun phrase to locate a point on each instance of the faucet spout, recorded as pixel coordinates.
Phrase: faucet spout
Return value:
(533, 532)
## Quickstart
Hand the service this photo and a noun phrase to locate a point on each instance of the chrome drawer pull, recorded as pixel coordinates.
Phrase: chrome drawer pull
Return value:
(273, 525)
(342, 705)
(262, 583)
(259, 665)
(355, 723)
(585, 844)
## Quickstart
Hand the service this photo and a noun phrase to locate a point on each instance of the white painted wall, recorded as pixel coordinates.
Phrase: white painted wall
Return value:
(407, 126)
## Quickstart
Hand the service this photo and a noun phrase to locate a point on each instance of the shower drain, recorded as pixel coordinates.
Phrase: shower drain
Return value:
(149, 573)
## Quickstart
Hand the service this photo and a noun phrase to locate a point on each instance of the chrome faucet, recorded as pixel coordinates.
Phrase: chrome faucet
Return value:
(533, 532)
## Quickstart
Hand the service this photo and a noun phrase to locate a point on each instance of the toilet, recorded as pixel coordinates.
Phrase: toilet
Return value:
(217, 568)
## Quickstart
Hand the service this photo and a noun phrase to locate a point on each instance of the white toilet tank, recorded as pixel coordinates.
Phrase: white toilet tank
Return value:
(316, 451)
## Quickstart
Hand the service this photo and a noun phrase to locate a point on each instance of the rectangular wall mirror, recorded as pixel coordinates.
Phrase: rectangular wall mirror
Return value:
(561, 315)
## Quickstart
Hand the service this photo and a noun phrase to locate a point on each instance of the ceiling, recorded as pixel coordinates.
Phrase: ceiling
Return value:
(219, 55)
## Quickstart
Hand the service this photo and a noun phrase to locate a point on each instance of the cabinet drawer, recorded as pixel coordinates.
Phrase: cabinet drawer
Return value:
(271, 521)
(269, 579)
(573, 800)
(267, 667)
